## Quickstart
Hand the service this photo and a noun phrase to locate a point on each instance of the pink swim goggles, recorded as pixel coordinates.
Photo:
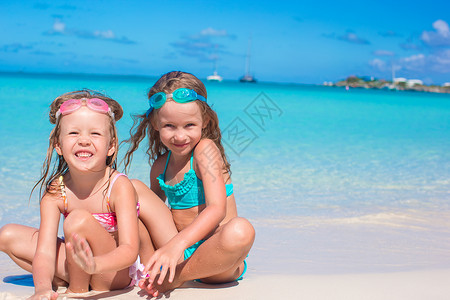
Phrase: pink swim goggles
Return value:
(94, 104)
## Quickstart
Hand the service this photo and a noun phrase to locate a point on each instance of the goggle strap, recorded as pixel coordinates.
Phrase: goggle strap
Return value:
(111, 114)
(200, 97)
(149, 111)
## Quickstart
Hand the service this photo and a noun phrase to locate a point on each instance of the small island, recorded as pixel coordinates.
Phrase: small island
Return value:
(400, 84)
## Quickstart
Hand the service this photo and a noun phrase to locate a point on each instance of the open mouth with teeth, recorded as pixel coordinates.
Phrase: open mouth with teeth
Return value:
(83, 154)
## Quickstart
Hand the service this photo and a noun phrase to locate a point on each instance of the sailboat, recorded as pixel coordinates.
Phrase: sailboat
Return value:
(247, 77)
(215, 76)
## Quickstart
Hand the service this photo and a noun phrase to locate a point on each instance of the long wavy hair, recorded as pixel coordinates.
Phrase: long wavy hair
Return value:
(142, 125)
(60, 167)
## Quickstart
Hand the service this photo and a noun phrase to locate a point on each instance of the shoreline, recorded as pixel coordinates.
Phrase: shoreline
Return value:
(396, 84)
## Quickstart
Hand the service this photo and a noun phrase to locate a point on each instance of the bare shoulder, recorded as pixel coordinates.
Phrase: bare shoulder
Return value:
(122, 190)
(53, 197)
(121, 183)
(207, 158)
(122, 178)
(206, 149)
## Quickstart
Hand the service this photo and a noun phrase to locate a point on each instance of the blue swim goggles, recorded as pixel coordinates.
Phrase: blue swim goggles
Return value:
(181, 95)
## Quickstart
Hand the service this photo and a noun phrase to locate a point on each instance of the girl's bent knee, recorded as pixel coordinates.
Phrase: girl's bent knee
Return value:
(76, 221)
(7, 234)
(243, 228)
(241, 232)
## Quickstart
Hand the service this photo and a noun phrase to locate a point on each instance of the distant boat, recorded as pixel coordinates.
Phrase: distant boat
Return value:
(214, 77)
(247, 77)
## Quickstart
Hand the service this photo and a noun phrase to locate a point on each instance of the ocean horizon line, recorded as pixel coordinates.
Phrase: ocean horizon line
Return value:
(74, 75)
(138, 77)
(146, 78)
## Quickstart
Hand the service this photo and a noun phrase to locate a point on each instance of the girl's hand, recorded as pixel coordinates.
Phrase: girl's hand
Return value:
(164, 259)
(82, 254)
(49, 295)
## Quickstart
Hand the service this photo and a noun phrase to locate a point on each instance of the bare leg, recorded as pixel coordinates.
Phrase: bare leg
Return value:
(20, 242)
(146, 248)
(219, 259)
(155, 215)
(100, 241)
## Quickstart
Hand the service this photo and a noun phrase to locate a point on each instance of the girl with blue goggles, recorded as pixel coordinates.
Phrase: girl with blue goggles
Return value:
(181, 95)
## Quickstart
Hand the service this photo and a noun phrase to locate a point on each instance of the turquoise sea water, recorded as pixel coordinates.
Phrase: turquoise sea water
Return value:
(295, 150)
(301, 155)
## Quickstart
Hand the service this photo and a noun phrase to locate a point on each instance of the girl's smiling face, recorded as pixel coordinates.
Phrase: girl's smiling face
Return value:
(85, 140)
(180, 126)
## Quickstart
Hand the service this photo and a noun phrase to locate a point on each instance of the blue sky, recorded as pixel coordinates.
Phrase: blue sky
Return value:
(291, 41)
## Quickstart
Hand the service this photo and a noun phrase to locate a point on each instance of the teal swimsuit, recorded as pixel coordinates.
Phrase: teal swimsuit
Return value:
(186, 194)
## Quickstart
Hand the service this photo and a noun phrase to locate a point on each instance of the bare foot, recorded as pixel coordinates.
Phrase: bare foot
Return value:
(154, 289)
(58, 282)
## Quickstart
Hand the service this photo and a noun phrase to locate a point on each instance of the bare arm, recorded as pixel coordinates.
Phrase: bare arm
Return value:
(123, 202)
(45, 258)
(155, 215)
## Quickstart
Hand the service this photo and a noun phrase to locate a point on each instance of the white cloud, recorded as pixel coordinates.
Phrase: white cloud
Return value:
(204, 45)
(423, 65)
(444, 57)
(59, 26)
(442, 28)
(440, 61)
(351, 37)
(383, 53)
(108, 34)
(436, 62)
(213, 32)
(209, 34)
(378, 64)
(414, 58)
(414, 62)
(439, 37)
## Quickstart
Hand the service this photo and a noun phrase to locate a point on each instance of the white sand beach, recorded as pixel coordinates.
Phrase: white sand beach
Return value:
(352, 259)
(404, 285)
